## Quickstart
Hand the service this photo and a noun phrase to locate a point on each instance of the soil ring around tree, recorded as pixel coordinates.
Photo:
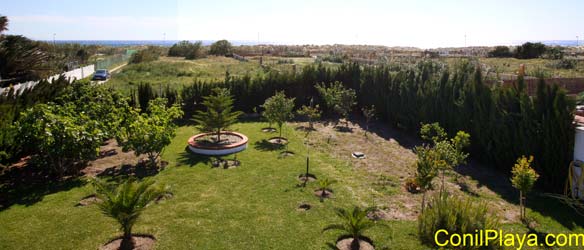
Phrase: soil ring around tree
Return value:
(141, 242)
(304, 207)
(286, 153)
(345, 244)
(326, 194)
(268, 130)
(278, 140)
(303, 177)
(88, 200)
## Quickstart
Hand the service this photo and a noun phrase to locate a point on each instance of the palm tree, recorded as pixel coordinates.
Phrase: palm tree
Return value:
(126, 202)
(3, 23)
(354, 223)
(324, 185)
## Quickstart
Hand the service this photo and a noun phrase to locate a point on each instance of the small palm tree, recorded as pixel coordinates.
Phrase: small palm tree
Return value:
(354, 223)
(324, 185)
(126, 202)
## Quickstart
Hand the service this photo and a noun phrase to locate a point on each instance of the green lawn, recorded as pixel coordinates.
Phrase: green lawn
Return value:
(250, 207)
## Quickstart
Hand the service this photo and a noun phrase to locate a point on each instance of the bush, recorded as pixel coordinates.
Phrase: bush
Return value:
(500, 51)
(187, 50)
(530, 50)
(221, 48)
(564, 63)
(147, 55)
(455, 215)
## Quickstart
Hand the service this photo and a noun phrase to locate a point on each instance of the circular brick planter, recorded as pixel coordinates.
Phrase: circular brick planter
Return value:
(206, 149)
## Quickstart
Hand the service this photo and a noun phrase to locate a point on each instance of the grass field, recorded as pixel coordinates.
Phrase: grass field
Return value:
(178, 72)
(511, 66)
(253, 206)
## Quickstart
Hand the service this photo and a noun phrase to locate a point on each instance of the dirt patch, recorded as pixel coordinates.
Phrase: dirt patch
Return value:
(304, 178)
(268, 130)
(211, 140)
(390, 163)
(345, 244)
(88, 200)
(111, 156)
(286, 153)
(278, 140)
(304, 207)
(141, 242)
(323, 195)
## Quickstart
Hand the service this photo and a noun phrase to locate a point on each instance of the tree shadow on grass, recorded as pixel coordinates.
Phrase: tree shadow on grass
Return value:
(265, 145)
(191, 159)
(28, 185)
(139, 171)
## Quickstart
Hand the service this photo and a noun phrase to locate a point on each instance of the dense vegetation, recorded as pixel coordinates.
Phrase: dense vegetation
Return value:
(504, 122)
(187, 50)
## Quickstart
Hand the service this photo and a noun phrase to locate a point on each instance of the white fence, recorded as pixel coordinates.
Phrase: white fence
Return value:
(78, 73)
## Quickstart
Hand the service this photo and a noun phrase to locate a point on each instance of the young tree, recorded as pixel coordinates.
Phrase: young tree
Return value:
(369, 114)
(426, 169)
(151, 132)
(449, 153)
(126, 202)
(324, 185)
(338, 98)
(220, 48)
(219, 114)
(353, 222)
(523, 179)
(312, 113)
(278, 109)
(3, 23)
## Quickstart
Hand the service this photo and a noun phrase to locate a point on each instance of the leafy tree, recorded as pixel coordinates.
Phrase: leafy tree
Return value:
(426, 167)
(146, 55)
(3, 23)
(524, 177)
(354, 223)
(500, 51)
(151, 132)
(278, 109)
(447, 153)
(312, 113)
(22, 59)
(338, 98)
(186, 49)
(59, 136)
(369, 114)
(220, 48)
(530, 50)
(219, 114)
(126, 202)
(555, 53)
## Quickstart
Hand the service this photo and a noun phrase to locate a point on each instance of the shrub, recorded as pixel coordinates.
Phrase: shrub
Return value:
(147, 55)
(354, 223)
(565, 63)
(523, 179)
(187, 50)
(221, 48)
(530, 50)
(338, 98)
(455, 215)
(278, 109)
(500, 51)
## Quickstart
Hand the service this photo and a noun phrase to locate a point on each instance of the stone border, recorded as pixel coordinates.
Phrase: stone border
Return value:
(217, 150)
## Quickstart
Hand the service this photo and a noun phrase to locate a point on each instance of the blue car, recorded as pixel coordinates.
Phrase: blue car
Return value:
(101, 75)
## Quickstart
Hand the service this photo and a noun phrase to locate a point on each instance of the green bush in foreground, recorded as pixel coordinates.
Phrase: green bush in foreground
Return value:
(457, 216)
(524, 177)
(354, 223)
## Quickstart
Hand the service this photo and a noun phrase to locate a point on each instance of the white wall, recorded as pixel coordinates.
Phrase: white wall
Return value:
(78, 73)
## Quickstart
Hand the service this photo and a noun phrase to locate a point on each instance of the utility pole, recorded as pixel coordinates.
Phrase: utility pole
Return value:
(164, 39)
(577, 40)
(54, 39)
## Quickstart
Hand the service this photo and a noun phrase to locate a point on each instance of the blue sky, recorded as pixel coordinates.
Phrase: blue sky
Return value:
(417, 23)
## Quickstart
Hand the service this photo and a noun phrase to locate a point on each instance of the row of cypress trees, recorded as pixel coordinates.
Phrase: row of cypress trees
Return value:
(504, 121)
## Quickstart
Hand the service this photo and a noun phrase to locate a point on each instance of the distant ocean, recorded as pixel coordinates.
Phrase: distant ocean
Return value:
(120, 43)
